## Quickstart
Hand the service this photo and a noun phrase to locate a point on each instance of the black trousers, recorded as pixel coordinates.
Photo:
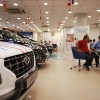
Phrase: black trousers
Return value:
(89, 59)
(96, 58)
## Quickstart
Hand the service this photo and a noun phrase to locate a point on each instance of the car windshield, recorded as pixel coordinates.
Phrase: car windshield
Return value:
(13, 36)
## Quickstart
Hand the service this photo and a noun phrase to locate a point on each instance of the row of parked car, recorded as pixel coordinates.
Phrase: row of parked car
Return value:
(19, 58)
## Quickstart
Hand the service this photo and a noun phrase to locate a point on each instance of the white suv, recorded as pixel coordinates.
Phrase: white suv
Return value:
(17, 70)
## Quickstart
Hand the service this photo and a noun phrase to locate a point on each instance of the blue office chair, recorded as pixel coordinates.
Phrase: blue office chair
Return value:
(77, 55)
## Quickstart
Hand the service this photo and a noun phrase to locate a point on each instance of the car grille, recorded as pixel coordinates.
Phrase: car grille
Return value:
(20, 64)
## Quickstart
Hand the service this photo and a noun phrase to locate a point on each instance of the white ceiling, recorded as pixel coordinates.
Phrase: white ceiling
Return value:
(57, 9)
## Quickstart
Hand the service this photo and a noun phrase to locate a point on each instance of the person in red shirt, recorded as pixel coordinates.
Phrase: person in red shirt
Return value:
(82, 46)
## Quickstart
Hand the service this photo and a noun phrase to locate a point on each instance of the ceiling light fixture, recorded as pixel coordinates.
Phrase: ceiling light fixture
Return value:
(32, 22)
(46, 12)
(98, 10)
(18, 18)
(69, 12)
(13, 25)
(64, 21)
(28, 17)
(75, 3)
(99, 20)
(89, 16)
(66, 17)
(23, 22)
(47, 17)
(17, 27)
(15, 4)
(45, 3)
(1, 4)
(62, 24)
(7, 22)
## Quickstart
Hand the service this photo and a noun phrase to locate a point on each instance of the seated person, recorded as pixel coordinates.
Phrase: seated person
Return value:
(83, 47)
(96, 47)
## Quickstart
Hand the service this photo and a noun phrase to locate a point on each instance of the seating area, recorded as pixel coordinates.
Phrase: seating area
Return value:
(80, 56)
(77, 55)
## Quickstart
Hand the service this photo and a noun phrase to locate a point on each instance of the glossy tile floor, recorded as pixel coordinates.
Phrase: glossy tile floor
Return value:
(57, 82)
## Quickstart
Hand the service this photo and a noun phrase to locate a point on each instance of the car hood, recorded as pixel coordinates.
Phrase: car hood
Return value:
(9, 49)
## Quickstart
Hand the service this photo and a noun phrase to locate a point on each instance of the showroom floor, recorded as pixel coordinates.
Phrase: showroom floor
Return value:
(57, 82)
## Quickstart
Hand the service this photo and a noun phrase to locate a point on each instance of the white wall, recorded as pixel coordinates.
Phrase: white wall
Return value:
(56, 39)
(35, 36)
(94, 32)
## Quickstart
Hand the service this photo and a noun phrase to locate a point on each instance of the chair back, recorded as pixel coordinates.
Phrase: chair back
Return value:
(77, 54)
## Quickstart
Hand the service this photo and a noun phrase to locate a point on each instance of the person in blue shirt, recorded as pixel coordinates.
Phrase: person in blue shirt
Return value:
(96, 48)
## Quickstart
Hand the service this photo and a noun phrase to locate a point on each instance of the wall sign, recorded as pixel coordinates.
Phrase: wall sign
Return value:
(80, 31)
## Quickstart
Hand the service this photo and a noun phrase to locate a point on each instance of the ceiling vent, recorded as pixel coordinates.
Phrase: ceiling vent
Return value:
(15, 10)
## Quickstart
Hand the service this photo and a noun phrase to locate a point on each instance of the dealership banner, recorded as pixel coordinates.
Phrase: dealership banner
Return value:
(80, 31)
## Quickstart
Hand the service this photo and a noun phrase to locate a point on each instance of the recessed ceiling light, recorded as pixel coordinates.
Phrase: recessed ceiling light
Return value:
(31, 21)
(15, 4)
(45, 3)
(13, 25)
(70, 12)
(1, 4)
(18, 18)
(7, 22)
(28, 18)
(46, 12)
(99, 20)
(89, 16)
(98, 10)
(66, 17)
(64, 21)
(75, 3)
(17, 27)
(6, 27)
(62, 24)
(23, 22)
(47, 17)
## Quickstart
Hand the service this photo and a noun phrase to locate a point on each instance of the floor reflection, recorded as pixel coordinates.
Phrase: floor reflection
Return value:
(30, 96)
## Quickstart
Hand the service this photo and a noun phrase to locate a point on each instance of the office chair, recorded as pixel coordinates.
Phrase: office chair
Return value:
(77, 55)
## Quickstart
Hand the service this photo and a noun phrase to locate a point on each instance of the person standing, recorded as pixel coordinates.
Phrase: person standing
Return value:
(96, 48)
(82, 46)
